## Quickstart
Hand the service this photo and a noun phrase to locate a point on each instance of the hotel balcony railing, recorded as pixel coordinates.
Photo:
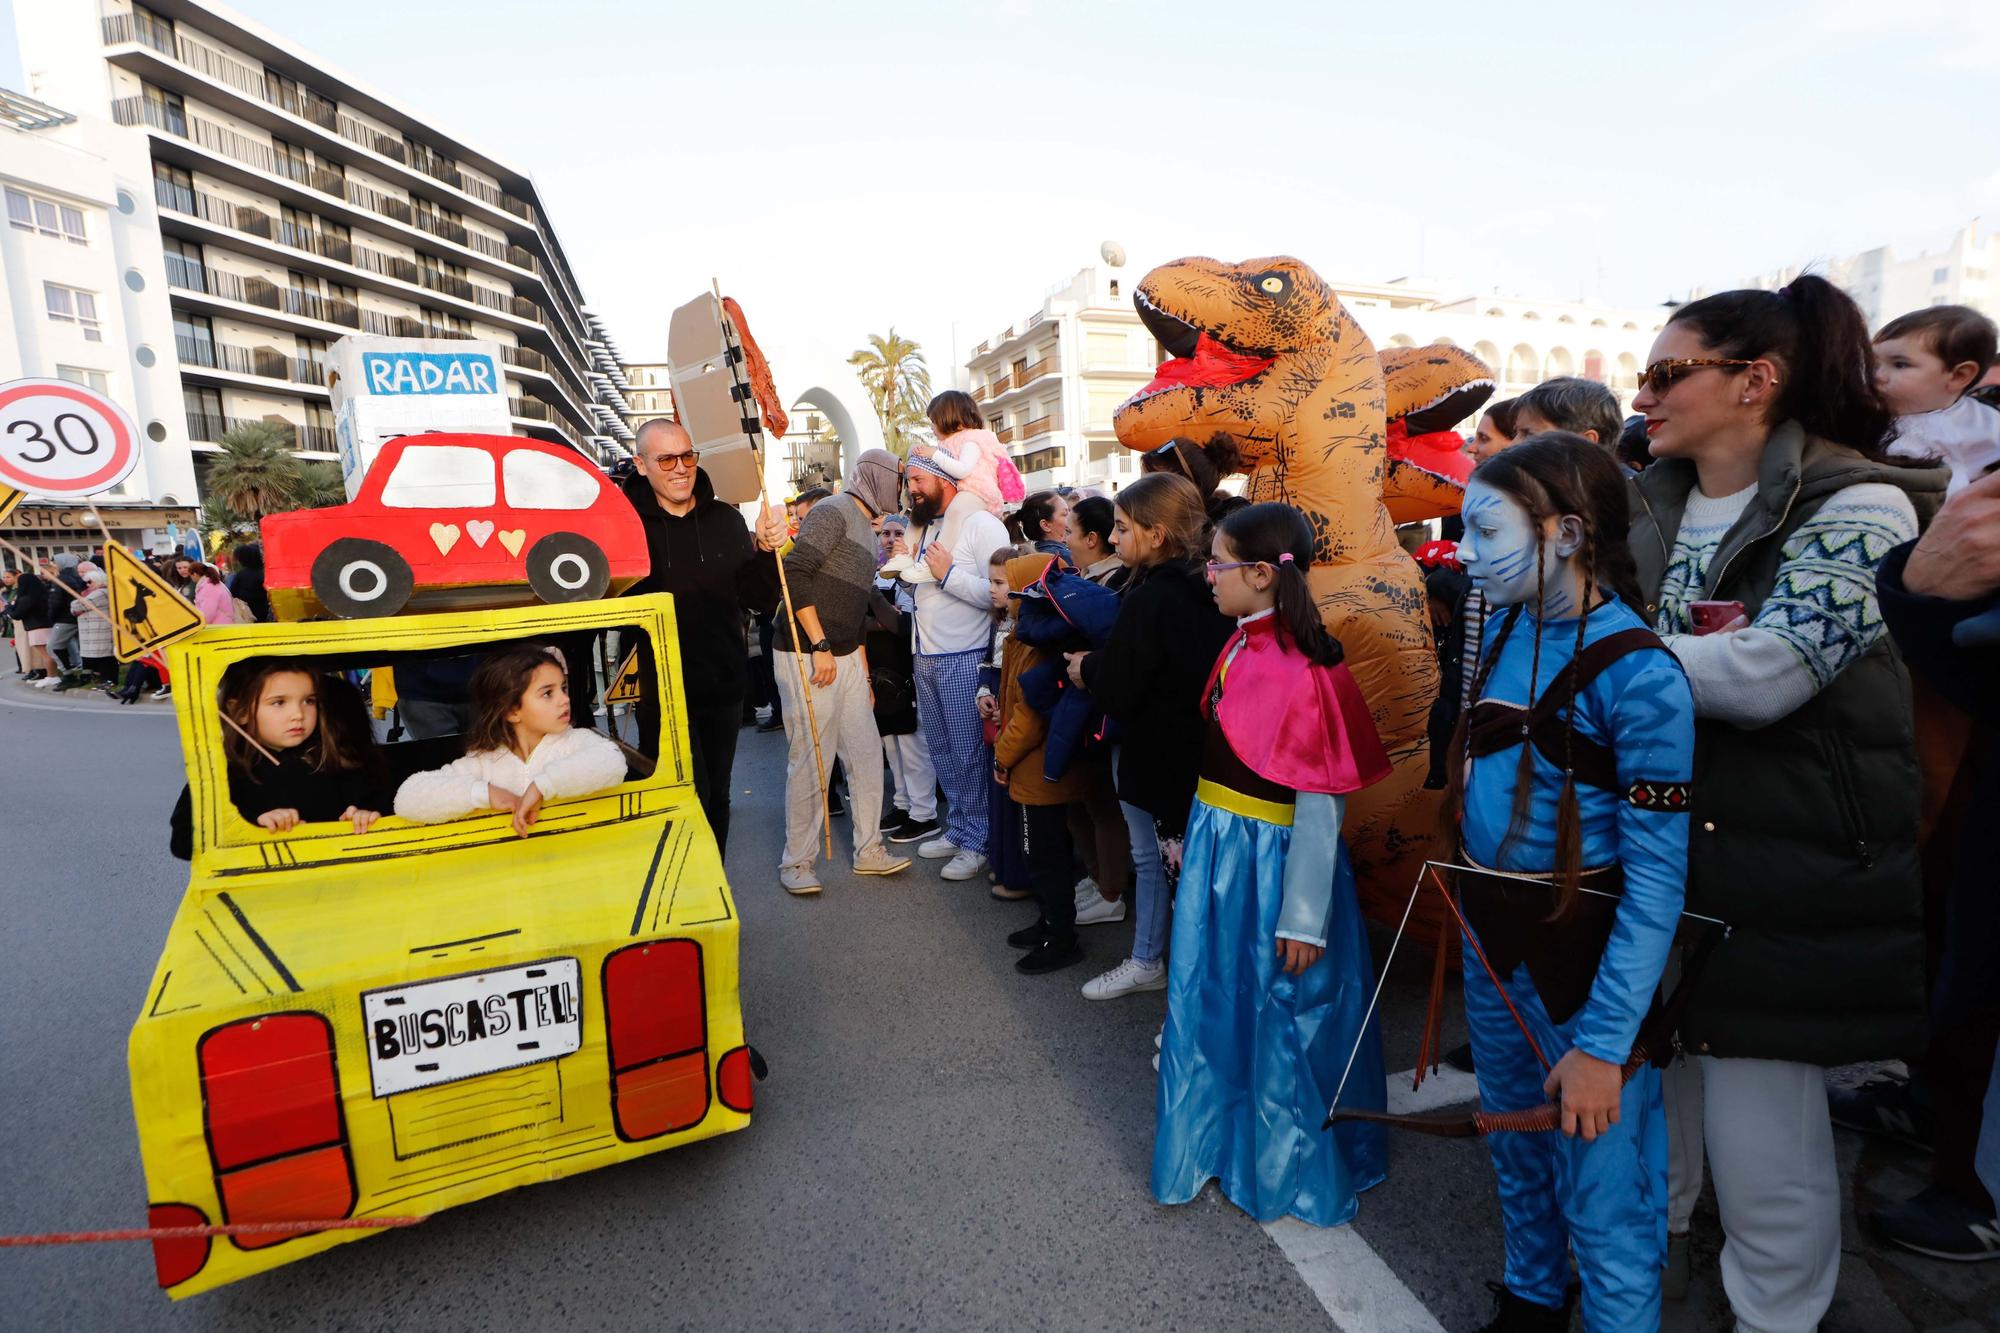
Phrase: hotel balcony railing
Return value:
(981, 348)
(979, 393)
(255, 222)
(532, 408)
(209, 427)
(1005, 434)
(190, 276)
(391, 326)
(1040, 426)
(1046, 366)
(265, 362)
(302, 102)
(526, 357)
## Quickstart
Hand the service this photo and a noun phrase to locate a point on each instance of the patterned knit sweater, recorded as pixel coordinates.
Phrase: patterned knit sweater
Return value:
(1820, 616)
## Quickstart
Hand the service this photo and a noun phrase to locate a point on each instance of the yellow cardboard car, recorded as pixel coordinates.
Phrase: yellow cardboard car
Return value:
(350, 1025)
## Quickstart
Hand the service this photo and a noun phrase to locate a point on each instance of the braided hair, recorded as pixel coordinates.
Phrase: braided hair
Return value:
(1553, 475)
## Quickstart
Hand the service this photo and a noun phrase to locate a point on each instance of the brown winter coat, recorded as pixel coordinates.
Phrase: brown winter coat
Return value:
(1018, 748)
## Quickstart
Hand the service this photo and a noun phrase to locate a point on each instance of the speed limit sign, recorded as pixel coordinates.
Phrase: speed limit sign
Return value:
(58, 438)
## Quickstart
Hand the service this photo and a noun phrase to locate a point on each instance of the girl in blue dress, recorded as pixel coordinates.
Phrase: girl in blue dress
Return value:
(1572, 771)
(1270, 971)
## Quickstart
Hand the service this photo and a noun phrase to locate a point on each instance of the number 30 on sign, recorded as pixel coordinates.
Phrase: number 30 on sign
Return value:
(58, 438)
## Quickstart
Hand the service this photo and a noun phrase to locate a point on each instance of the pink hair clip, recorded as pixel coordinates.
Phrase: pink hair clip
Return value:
(1285, 559)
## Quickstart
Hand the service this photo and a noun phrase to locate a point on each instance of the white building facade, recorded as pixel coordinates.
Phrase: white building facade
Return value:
(1965, 272)
(1050, 382)
(296, 205)
(80, 273)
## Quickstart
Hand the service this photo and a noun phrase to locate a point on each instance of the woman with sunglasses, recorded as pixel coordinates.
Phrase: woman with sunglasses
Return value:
(1756, 531)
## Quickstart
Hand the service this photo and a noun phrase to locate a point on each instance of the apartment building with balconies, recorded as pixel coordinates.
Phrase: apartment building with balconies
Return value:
(1049, 382)
(651, 393)
(79, 275)
(296, 205)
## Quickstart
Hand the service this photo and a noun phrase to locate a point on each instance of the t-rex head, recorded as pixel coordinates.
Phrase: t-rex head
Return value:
(1247, 344)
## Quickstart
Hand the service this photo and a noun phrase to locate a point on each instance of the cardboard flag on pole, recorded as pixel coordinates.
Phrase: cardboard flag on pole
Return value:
(146, 613)
(624, 687)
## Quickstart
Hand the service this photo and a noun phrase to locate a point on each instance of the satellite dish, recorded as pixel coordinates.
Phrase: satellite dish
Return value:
(1114, 254)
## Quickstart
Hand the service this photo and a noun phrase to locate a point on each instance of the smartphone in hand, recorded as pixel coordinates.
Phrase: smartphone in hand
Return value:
(1708, 617)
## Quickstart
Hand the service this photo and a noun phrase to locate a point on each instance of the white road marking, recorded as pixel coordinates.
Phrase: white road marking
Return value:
(1447, 1087)
(1360, 1292)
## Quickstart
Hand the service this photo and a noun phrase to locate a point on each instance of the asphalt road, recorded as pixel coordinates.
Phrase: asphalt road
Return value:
(941, 1143)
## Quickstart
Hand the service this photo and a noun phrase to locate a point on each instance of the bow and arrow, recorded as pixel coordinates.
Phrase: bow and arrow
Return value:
(1697, 934)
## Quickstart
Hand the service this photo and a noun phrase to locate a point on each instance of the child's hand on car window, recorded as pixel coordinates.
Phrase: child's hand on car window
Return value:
(278, 821)
(527, 809)
(361, 819)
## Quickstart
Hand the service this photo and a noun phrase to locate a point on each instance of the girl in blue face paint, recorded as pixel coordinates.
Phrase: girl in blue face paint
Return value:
(1572, 768)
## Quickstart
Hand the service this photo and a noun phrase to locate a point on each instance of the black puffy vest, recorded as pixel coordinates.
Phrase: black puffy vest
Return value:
(1804, 832)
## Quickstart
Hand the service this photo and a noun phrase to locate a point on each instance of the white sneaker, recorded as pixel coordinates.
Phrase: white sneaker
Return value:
(937, 849)
(1086, 892)
(1159, 1039)
(1156, 1062)
(880, 861)
(1128, 978)
(1098, 910)
(963, 866)
(798, 880)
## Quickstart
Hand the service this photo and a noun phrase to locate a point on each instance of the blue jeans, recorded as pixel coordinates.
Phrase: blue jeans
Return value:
(1152, 906)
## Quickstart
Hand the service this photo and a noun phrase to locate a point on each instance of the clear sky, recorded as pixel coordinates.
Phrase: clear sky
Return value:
(844, 166)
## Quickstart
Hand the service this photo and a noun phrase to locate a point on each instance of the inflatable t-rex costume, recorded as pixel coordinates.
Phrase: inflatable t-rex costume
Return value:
(1264, 351)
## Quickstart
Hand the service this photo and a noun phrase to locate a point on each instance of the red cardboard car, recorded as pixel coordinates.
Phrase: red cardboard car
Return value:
(457, 521)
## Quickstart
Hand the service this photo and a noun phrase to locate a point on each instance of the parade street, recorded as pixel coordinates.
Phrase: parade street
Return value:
(941, 1143)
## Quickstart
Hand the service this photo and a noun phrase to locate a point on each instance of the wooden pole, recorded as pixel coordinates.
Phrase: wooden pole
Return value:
(785, 593)
(28, 565)
(236, 727)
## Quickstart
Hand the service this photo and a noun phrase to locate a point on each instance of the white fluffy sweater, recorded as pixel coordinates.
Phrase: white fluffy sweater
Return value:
(575, 763)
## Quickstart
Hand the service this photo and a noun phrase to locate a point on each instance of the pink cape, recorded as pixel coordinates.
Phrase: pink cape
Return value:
(1293, 723)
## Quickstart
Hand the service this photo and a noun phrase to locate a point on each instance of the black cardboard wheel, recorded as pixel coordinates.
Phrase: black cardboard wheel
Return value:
(563, 567)
(358, 579)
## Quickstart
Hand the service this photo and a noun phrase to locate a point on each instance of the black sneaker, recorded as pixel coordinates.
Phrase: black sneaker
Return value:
(1517, 1314)
(1029, 937)
(1941, 1225)
(1051, 955)
(1892, 1108)
(914, 830)
(892, 819)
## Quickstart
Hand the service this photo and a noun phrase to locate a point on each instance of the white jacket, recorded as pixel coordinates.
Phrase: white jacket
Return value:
(575, 763)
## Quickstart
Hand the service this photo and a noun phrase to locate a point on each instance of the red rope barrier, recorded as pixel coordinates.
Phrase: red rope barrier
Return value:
(220, 1229)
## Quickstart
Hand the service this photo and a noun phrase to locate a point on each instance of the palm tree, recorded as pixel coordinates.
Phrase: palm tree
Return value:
(891, 368)
(255, 473)
(320, 485)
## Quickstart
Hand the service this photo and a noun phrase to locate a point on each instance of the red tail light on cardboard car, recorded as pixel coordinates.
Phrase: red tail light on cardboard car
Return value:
(656, 1038)
(271, 1111)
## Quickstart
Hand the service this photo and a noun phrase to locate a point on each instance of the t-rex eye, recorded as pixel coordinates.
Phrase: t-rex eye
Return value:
(1273, 285)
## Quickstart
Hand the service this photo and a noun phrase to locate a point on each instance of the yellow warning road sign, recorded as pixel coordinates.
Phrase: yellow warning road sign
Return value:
(146, 612)
(9, 497)
(625, 685)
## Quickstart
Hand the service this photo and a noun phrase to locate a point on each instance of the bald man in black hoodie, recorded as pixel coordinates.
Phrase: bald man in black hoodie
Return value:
(703, 553)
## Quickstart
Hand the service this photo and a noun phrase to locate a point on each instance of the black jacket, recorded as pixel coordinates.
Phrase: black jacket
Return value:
(248, 580)
(1149, 676)
(1966, 675)
(30, 603)
(707, 560)
(292, 785)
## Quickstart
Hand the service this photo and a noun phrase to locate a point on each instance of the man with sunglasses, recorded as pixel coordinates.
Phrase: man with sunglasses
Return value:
(702, 552)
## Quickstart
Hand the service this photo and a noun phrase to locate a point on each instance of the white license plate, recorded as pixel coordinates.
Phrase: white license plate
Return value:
(440, 1031)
